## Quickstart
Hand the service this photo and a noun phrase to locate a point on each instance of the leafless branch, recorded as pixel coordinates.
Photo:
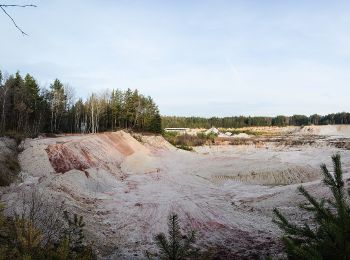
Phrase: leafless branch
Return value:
(2, 6)
(17, 5)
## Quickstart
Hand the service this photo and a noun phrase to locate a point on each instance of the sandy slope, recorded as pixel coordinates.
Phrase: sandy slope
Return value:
(327, 130)
(125, 189)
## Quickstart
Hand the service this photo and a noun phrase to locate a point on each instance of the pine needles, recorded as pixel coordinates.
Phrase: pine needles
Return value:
(176, 246)
(329, 238)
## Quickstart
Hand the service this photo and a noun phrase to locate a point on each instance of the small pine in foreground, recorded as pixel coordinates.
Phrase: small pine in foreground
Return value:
(329, 238)
(177, 246)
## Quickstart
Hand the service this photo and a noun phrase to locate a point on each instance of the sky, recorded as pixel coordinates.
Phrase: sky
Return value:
(193, 57)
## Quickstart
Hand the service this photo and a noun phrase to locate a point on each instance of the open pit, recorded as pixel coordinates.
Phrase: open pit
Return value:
(125, 187)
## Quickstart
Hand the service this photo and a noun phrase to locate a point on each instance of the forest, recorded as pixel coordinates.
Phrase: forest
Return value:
(29, 109)
(243, 121)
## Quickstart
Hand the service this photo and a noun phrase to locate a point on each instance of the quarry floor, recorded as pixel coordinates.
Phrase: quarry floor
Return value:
(125, 187)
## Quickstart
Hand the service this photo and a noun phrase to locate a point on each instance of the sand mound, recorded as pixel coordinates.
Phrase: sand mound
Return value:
(241, 135)
(327, 130)
(113, 152)
(157, 143)
(215, 190)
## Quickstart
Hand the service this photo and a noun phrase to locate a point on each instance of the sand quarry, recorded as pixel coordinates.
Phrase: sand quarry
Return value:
(125, 187)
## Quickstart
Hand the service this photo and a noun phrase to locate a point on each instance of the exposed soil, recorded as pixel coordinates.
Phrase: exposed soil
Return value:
(126, 188)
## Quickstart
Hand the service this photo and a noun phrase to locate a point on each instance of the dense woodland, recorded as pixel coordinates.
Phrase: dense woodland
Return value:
(242, 121)
(27, 108)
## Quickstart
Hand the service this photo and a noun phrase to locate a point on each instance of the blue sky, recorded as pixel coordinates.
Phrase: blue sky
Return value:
(204, 58)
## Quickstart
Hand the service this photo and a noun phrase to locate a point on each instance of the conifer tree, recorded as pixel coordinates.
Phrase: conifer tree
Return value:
(74, 233)
(328, 237)
(176, 246)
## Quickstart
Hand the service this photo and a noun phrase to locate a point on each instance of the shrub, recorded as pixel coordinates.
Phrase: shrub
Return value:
(170, 137)
(184, 147)
(189, 140)
(207, 137)
(329, 236)
(17, 136)
(21, 239)
(41, 231)
(9, 169)
(184, 141)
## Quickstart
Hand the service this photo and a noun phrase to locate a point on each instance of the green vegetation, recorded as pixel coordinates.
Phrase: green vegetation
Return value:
(186, 141)
(185, 147)
(207, 137)
(9, 165)
(26, 109)
(239, 131)
(9, 169)
(242, 121)
(176, 246)
(328, 237)
(20, 238)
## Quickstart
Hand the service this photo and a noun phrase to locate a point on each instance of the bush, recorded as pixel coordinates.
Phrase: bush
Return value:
(184, 147)
(39, 230)
(17, 136)
(207, 137)
(9, 169)
(184, 141)
(189, 140)
(21, 239)
(328, 237)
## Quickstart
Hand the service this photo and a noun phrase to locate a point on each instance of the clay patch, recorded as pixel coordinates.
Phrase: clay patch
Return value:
(63, 159)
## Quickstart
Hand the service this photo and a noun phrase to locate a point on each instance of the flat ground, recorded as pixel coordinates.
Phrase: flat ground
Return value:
(125, 187)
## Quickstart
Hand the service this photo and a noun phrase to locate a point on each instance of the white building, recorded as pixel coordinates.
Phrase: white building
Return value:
(180, 130)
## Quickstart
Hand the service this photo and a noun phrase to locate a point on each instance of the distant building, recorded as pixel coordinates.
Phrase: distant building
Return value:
(180, 130)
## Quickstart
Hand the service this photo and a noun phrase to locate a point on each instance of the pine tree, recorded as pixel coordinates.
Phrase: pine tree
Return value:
(329, 236)
(28, 237)
(74, 233)
(177, 246)
(156, 124)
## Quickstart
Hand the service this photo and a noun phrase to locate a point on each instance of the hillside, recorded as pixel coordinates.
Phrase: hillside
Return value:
(126, 187)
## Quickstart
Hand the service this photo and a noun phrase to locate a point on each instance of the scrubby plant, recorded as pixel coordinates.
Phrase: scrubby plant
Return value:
(20, 238)
(74, 232)
(170, 137)
(184, 141)
(9, 169)
(328, 236)
(184, 147)
(189, 140)
(28, 237)
(176, 246)
(210, 137)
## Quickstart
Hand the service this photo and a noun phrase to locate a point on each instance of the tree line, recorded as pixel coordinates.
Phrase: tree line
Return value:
(27, 108)
(243, 121)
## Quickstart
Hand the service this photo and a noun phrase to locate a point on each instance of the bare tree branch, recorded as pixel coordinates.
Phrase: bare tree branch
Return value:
(2, 6)
(17, 5)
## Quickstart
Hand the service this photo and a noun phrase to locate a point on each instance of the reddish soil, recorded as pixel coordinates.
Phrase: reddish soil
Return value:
(63, 159)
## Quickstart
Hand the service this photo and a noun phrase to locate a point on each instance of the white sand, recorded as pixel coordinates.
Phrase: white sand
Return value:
(126, 189)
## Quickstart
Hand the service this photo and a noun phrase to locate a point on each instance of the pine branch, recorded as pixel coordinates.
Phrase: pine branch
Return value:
(329, 235)
(176, 246)
(162, 243)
